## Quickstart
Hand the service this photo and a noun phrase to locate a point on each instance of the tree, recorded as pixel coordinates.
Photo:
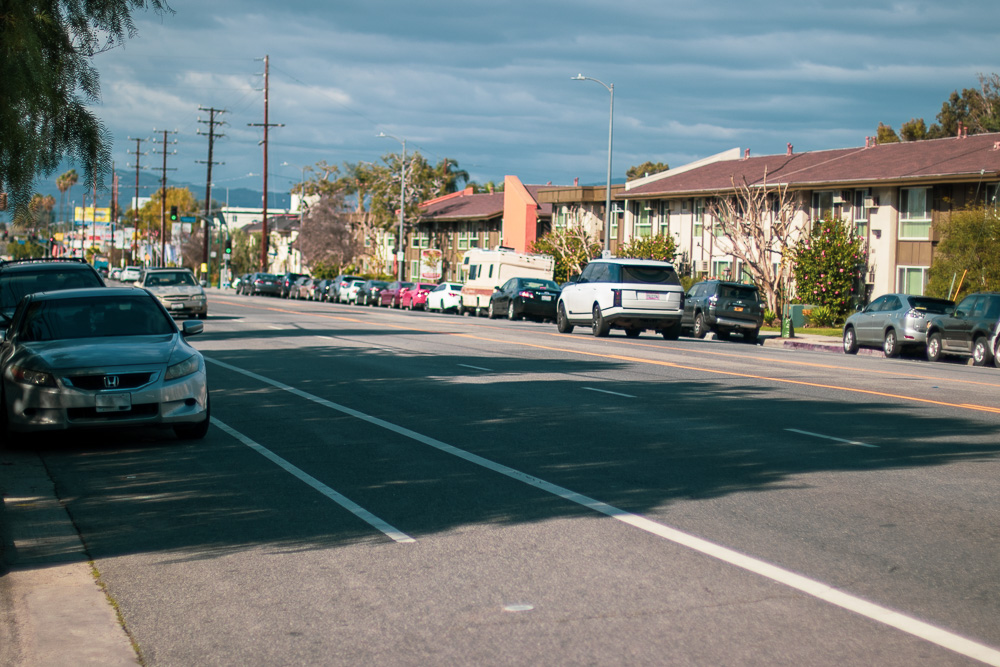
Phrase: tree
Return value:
(757, 221)
(46, 81)
(645, 169)
(915, 130)
(662, 248)
(453, 179)
(571, 247)
(64, 183)
(967, 258)
(830, 266)
(975, 110)
(326, 236)
(886, 135)
(149, 214)
(246, 252)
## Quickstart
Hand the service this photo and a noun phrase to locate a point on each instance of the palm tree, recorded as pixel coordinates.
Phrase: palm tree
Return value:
(64, 183)
(451, 175)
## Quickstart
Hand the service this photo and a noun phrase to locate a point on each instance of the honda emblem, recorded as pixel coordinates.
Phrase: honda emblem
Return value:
(111, 381)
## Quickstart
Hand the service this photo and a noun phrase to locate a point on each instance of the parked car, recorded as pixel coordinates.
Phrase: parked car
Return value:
(237, 281)
(177, 290)
(389, 296)
(353, 290)
(525, 297)
(723, 307)
(995, 345)
(115, 273)
(286, 282)
(967, 330)
(321, 289)
(25, 276)
(264, 284)
(300, 288)
(340, 286)
(893, 322)
(414, 297)
(368, 294)
(445, 297)
(629, 294)
(101, 357)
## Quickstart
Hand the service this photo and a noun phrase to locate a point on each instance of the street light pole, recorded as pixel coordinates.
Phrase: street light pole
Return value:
(611, 124)
(400, 251)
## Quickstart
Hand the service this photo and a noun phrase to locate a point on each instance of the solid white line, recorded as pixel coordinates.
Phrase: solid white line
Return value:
(605, 391)
(477, 368)
(816, 589)
(827, 437)
(338, 498)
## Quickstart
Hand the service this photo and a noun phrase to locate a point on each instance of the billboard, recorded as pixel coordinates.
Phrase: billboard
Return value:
(91, 214)
(430, 265)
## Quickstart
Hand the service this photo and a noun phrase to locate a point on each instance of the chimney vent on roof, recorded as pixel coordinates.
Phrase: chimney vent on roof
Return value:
(996, 145)
(576, 181)
(789, 149)
(746, 154)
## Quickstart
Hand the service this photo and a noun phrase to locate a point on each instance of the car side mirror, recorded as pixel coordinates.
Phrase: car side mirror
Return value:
(192, 327)
(204, 283)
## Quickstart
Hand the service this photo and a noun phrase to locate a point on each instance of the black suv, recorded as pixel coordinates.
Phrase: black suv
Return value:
(286, 282)
(27, 276)
(723, 307)
(966, 331)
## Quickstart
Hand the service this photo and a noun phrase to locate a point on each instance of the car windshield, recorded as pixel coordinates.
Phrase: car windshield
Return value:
(15, 285)
(94, 317)
(744, 292)
(170, 279)
(539, 284)
(933, 306)
(653, 275)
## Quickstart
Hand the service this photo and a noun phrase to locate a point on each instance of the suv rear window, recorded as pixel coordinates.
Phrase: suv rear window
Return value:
(746, 292)
(651, 275)
(933, 306)
(16, 284)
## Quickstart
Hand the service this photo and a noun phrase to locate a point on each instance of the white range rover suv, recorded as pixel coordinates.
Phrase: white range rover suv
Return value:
(629, 294)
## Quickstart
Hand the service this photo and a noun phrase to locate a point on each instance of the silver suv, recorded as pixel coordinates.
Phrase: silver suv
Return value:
(629, 294)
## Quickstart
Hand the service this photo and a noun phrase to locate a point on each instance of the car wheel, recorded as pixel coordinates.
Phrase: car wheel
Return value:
(751, 335)
(672, 332)
(981, 354)
(996, 353)
(199, 430)
(491, 311)
(698, 330)
(562, 322)
(934, 347)
(850, 341)
(600, 326)
(511, 315)
(633, 333)
(890, 345)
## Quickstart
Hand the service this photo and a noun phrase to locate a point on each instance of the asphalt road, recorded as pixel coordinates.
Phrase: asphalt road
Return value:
(383, 487)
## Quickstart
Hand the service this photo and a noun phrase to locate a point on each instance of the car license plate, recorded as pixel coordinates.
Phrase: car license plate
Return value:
(114, 402)
(546, 297)
(177, 306)
(738, 309)
(652, 296)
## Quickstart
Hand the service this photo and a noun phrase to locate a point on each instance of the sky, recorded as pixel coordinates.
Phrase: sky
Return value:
(489, 83)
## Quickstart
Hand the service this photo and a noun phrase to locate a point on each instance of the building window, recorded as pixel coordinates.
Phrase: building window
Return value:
(664, 218)
(617, 212)
(644, 223)
(914, 214)
(699, 217)
(912, 280)
(722, 268)
(822, 204)
(993, 196)
(561, 217)
(463, 240)
(862, 202)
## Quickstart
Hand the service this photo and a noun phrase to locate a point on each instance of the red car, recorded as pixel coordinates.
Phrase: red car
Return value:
(415, 296)
(389, 296)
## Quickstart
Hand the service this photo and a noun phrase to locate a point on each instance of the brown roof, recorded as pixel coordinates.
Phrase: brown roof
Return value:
(464, 206)
(937, 160)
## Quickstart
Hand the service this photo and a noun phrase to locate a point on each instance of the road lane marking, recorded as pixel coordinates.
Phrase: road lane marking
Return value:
(605, 391)
(476, 368)
(811, 587)
(336, 497)
(828, 437)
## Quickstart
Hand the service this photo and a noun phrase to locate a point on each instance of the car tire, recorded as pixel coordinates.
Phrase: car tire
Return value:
(633, 333)
(981, 354)
(672, 332)
(751, 335)
(198, 430)
(491, 311)
(511, 315)
(600, 326)
(850, 341)
(698, 330)
(934, 347)
(996, 354)
(722, 334)
(890, 345)
(562, 322)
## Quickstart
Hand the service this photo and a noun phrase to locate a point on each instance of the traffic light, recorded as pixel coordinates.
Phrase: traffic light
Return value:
(229, 246)
(173, 214)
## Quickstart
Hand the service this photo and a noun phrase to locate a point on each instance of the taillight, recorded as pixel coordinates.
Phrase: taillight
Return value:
(915, 314)
(526, 294)
(616, 295)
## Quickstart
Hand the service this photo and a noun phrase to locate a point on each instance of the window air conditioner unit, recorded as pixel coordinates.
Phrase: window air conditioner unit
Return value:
(703, 266)
(838, 198)
(871, 202)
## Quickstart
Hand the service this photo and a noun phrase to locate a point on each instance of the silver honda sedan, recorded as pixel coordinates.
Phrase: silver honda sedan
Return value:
(104, 358)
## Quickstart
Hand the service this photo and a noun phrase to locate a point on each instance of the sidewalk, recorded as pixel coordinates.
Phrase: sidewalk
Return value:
(52, 610)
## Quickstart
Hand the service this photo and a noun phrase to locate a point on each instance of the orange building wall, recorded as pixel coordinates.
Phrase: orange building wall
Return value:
(520, 215)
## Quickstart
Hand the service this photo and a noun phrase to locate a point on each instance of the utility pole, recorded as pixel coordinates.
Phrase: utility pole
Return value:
(211, 122)
(163, 197)
(135, 204)
(266, 124)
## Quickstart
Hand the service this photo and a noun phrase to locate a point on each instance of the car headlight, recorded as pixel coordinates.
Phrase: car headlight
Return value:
(32, 377)
(186, 367)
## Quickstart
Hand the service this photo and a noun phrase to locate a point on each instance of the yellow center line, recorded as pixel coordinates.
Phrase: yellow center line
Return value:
(669, 364)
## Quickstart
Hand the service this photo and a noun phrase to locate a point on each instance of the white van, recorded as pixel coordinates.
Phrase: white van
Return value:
(485, 270)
